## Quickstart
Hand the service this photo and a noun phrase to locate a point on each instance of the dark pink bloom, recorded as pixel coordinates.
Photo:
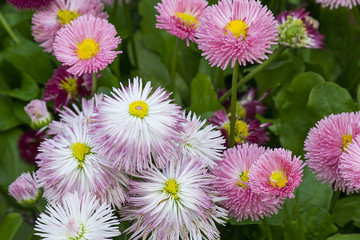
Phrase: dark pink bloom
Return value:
(28, 145)
(29, 4)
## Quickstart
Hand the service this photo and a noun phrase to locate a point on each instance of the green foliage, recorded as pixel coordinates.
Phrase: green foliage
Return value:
(347, 210)
(9, 226)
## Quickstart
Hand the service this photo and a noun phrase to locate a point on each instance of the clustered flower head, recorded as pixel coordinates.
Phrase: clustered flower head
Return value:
(25, 189)
(180, 17)
(29, 4)
(236, 31)
(255, 180)
(336, 3)
(328, 152)
(38, 113)
(297, 29)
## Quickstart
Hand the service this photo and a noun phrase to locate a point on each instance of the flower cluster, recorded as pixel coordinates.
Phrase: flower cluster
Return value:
(255, 180)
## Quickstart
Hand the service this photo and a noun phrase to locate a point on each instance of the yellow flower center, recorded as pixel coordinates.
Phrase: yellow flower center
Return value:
(69, 85)
(346, 140)
(65, 16)
(278, 179)
(244, 179)
(237, 27)
(189, 20)
(172, 188)
(240, 111)
(80, 150)
(241, 130)
(87, 49)
(139, 109)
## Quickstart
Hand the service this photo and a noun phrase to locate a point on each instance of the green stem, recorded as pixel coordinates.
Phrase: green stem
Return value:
(258, 69)
(356, 13)
(114, 10)
(299, 219)
(233, 104)
(93, 83)
(173, 65)
(131, 33)
(267, 229)
(334, 200)
(8, 29)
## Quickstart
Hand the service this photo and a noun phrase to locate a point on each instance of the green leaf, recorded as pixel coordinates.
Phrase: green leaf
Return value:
(28, 90)
(10, 225)
(328, 97)
(318, 223)
(8, 119)
(346, 210)
(344, 237)
(203, 95)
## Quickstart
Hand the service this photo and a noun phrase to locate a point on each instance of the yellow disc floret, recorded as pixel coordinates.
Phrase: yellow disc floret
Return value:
(189, 20)
(139, 109)
(244, 179)
(241, 130)
(237, 27)
(87, 49)
(172, 188)
(69, 85)
(80, 150)
(66, 16)
(278, 179)
(347, 138)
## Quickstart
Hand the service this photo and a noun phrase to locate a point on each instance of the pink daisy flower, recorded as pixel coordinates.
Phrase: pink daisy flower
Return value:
(233, 183)
(336, 3)
(133, 125)
(236, 30)
(298, 29)
(180, 17)
(63, 87)
(176, 202)
(350, 164)
(86, 45)
(38, 113)
(29, 4)
(276, 173)
(50, 19)
(25, 189)
(326, 142)
(252, 131)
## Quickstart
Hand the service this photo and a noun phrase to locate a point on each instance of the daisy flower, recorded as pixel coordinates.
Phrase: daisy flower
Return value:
(29, 4)
(297, 29)
(336, 3)
(63, 87)
(326, 142)
(67, 115)
(134, 124)
(50, 19)
(86, 45)
(276, 173)
(173, 203)
(252, 132)
(25, 189)
(68, 163)
(202, 140)
(77, 217)
(233, 183)
(180, 17)
(350, 164)
(236, 30)
(38, 113)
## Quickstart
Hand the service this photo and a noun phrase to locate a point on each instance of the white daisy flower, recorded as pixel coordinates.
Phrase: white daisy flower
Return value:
(172, 203)
(77, 217)
(133, 125)
(68, 162)
(201, 140)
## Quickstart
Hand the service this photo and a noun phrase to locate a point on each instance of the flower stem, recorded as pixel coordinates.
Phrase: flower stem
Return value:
(233, 104)
(258, 69)
(93, 83)
(131, 33)
(173, 65)
(334, 200)
(8, 29)
(299, 219)
(267, 229)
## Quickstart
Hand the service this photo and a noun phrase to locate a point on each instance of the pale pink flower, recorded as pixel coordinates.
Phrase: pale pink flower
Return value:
(87, 45)
(338, 3)
(276, 173)
(349, 164)
(233, 183)
(180, 17)
(38, 113)
(25, 189)
(236, 30)
(326, 142)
